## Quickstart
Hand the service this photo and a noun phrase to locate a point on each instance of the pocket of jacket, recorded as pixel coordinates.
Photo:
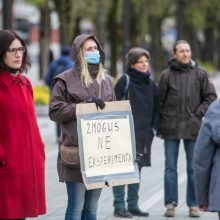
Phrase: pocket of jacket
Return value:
(195, 124)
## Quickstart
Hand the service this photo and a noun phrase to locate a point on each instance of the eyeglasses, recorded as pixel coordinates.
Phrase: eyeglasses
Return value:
(14, 51)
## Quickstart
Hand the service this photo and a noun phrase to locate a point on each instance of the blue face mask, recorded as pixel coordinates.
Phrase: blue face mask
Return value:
(92, 57)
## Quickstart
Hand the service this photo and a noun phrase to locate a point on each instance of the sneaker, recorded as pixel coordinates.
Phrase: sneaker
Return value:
(138, 212)
(170, 212)
(194, 212)
(122, 213)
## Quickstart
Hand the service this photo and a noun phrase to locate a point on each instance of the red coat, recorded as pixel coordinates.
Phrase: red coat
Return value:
(22, 156)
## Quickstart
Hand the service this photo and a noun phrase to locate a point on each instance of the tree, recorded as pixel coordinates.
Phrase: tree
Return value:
(122, 24)
(7, 14)
(44, 43)
(158, 10)
(113, 35)
(65, 9)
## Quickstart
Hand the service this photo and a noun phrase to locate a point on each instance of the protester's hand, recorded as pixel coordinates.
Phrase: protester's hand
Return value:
(159, 135)
(140, 159)
(98, 102)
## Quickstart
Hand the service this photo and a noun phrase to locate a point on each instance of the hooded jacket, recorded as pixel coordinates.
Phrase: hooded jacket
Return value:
(185, 93)
(67, 92)
(207, 160)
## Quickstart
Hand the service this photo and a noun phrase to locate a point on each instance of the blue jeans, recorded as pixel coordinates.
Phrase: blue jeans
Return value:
(82, 203)
(171, 175)
(132, 198)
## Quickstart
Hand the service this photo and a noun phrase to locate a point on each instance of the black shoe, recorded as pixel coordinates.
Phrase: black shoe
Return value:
(123, 213)
(138, 212)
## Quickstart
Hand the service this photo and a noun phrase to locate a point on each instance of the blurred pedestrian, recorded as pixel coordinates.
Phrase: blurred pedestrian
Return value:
(137, 86)
(207, 161)
(57, 66)
(185, 91)
(22, 157)
(86, 82)
(63, 63)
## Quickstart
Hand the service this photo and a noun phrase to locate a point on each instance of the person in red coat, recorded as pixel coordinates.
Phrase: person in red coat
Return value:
(22, 155)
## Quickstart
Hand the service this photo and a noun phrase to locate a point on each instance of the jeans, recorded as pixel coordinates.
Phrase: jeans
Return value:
(171, 175)
(82, 203)
(132, 198)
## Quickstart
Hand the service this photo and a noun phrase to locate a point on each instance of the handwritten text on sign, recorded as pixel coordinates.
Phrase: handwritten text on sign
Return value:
(107, 146)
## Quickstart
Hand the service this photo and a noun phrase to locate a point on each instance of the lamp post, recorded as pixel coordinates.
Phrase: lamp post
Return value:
(7, 14)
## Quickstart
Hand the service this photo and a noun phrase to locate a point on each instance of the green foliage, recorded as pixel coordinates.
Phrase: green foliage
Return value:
(38, 3)
(146, 16)
(209, 67)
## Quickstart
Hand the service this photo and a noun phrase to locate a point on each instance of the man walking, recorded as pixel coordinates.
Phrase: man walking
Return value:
(185, 92)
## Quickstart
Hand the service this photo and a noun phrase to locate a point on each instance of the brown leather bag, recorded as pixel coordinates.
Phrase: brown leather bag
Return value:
(70, 156)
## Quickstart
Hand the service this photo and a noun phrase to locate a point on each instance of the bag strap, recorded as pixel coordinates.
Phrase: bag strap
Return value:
(100, 87)
(126, 86)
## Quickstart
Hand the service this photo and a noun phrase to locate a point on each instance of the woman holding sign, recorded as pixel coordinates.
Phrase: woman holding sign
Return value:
(85, 82)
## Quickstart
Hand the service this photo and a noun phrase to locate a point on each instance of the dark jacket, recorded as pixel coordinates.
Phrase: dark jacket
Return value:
(185, 93)
(63, 63)
(144, 101)
(68, 91)
(207, 160)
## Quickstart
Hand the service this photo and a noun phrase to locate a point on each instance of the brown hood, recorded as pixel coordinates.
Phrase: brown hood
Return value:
(78, 41)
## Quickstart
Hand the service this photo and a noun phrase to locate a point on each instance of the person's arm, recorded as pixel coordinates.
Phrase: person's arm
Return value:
(203, 159)
(113, 90)
(208, 94)
(162, 93)
(120, 88)
(59, 109)
(156, 114)
(163, 88)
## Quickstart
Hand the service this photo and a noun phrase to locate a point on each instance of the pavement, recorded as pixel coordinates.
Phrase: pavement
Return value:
(151, 188)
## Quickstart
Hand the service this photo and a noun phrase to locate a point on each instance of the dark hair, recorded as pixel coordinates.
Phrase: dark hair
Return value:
(6, 38)
(179, 42)
(134, 54)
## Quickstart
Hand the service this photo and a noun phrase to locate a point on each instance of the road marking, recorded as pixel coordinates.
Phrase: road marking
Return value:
(159, 195)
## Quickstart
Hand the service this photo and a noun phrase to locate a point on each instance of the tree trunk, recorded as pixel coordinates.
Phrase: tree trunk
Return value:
(66, 15)
(44, 40)
(209, 44)
(125, 30)
(112, 28)
(100, 32)
(156, 51)
(7, 14)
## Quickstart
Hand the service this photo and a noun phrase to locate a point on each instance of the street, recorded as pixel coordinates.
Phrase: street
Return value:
(151, 189)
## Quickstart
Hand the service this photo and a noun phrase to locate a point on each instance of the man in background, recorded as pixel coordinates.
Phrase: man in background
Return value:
(185, 93)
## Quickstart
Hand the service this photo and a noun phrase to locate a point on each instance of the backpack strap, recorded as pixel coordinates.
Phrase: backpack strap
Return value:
(126, 86)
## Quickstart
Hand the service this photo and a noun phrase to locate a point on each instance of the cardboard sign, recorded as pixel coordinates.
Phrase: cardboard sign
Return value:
(107, 144)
